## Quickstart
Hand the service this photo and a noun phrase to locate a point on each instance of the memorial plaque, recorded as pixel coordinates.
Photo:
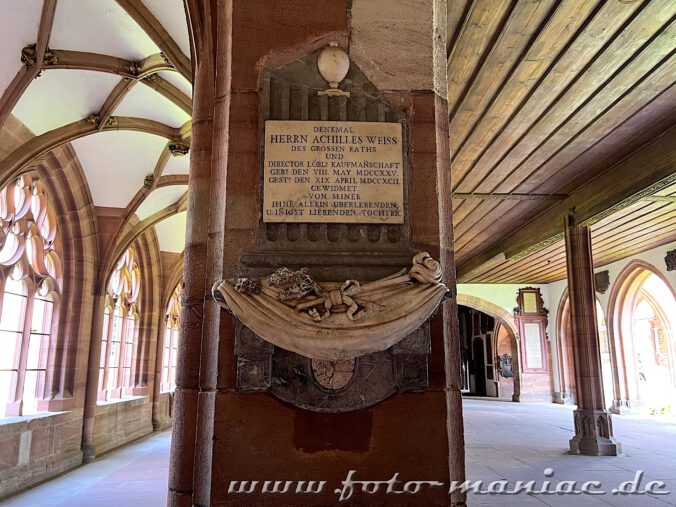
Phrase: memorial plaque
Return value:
(333, 171)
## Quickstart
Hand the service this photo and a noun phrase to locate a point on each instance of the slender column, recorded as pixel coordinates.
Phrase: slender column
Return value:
(192, 430)
(184, 426)
(593, 423)
(91, 394)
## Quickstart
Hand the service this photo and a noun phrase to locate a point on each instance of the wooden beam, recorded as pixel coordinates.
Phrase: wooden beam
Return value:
(649, 170)
(510, 197)
(659, 198)
(157, 33)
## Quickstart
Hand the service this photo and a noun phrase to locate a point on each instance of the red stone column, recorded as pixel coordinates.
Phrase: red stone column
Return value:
(190, 466)
(91, 393)
(452, 358)
(593, 423)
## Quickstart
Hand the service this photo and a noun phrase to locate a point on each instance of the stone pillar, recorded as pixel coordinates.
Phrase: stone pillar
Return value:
(593, 423)
(91, 393)
(193, 422)
(222, 434)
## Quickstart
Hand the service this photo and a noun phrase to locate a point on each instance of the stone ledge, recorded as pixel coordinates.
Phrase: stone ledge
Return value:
(133, 400)
(10, 424)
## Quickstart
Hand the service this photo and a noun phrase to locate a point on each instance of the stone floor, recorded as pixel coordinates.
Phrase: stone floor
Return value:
(505, 441)
(513, 441)
(135, 475)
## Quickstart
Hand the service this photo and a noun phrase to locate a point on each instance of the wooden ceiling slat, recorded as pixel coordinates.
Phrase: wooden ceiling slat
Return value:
(507, 269)
(503, 129)
(456, 12)
(612, 110)
(584, 89)
(649, 214)
(484, 20)
(632, 89)
(489, 213)
(512, 45)
(638, 217)
(650, 121)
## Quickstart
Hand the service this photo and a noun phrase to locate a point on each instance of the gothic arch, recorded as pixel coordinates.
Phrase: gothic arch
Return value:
(68, 191)
(624, 290)
(505, 319)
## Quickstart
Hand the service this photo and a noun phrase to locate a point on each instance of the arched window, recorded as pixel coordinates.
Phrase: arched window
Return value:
(119, 338)
(652, 310)
(171, 329)
(30, 285)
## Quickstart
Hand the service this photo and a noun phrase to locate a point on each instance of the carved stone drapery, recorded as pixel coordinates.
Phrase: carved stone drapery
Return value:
(332, 320)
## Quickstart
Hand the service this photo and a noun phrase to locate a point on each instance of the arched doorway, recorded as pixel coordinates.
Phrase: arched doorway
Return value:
(500, 346)
(479, 366)
(643, 325)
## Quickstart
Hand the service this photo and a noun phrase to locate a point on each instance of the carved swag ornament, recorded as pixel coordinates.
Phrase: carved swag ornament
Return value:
(330, 320)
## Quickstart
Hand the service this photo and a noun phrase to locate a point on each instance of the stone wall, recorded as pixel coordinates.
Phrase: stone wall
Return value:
(119, 422)
(163, 410)
(35, 448)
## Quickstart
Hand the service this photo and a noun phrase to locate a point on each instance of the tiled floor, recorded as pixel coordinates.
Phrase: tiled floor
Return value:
(504, 441)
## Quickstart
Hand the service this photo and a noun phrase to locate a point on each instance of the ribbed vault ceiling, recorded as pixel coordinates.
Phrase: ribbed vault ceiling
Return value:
(106, 58)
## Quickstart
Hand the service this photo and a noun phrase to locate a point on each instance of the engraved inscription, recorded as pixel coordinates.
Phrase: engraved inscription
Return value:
(330, 171)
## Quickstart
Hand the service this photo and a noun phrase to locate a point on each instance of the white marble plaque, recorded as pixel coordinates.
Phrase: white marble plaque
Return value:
(333, 171)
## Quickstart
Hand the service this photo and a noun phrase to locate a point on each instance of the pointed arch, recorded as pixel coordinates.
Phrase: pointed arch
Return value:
(624, 292)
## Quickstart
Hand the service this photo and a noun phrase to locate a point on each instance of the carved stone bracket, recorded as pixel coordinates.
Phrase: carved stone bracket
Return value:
(602, 281)
(670, 260)
(95, 119)
(178, 148)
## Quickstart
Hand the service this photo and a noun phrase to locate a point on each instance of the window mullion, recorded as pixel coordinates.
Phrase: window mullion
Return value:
(106, 363)
(25, 341)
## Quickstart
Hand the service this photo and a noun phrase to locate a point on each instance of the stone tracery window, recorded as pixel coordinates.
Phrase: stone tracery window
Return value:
(171, 337)
(120, 330)
(30, 286)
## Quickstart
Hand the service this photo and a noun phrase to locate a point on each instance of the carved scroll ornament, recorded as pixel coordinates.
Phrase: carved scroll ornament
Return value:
(331, 320)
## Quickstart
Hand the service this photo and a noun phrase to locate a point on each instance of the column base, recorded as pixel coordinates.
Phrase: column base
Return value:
(625, 407)
(563, 398)
(593, 433)
(88, 453)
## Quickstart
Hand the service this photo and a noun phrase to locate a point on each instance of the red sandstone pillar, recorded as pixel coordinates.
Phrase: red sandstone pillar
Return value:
(593, 423)
(91, 393)
(192, 434)
(452, 358)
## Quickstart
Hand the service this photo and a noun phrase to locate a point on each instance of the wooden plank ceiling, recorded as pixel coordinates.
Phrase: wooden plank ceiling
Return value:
(544, 96)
